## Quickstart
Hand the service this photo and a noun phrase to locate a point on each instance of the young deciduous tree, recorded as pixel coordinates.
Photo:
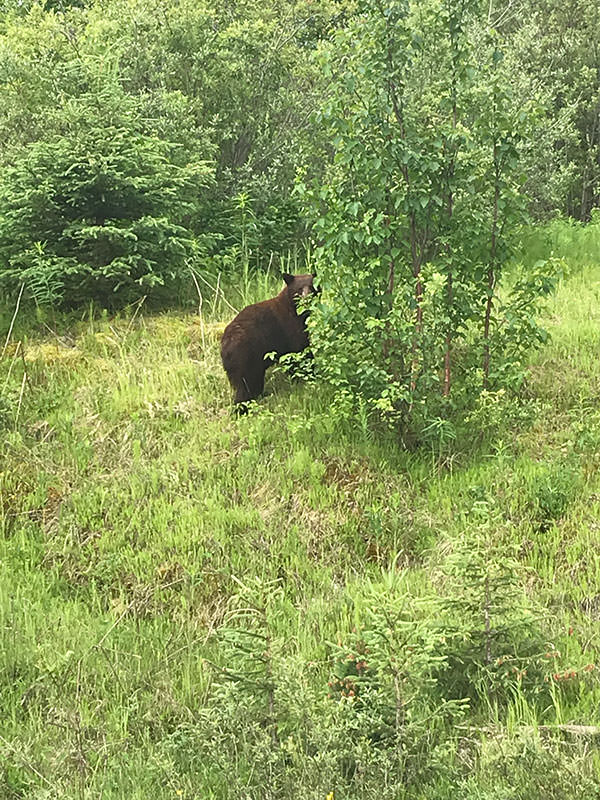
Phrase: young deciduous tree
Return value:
(415, 221)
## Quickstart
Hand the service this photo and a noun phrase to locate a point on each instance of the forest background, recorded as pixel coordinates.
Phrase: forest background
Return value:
(137, 137)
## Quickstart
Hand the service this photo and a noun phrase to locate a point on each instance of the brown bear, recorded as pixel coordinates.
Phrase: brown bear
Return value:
(273, 326)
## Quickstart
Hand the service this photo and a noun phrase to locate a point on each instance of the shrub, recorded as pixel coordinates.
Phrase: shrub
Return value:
(495, 646)
(96, 208)
(416, 223)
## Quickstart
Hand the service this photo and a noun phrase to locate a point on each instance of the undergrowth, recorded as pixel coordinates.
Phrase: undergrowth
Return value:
(281, 606)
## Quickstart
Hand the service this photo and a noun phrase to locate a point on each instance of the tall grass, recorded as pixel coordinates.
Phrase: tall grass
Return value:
(577, 242)
(177, 586)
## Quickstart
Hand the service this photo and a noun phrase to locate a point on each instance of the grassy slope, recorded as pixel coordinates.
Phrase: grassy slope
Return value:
(137, 518)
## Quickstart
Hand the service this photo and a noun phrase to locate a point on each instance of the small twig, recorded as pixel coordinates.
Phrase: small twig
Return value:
(20, 399)
(21, 349)
(78, 690)
(505, 15)
(210, 286)
(104, 762)
(216, 297)
(12, 321)
(235, 676)
(50, 431)
(12, 363)
(112, 667)
(64, 341)
(198, 291)
(83, 762)
(188, 646)
(200, 301)
(132, 320)
(113, 626)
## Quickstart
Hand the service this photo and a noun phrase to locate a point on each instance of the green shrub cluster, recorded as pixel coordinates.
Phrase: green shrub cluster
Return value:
(235, 89)
(137, 138)
(423, 307)
(99, 209)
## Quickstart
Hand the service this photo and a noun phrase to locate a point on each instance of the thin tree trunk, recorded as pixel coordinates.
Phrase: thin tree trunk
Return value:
(416, 265)
(415, 254)
(583, 213)
(449, 287)
(449, 282)
(447, 366)
(486, 611)
(419, 303)
(491, 274)
(387, 343)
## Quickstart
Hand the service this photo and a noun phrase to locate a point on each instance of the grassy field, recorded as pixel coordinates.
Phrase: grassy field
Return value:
(196, 606)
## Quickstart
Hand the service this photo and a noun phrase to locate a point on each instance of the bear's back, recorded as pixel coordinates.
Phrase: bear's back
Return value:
(268, 326)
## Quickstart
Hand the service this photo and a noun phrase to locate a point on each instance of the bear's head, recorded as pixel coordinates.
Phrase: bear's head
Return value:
(299, 289)
(299, 285)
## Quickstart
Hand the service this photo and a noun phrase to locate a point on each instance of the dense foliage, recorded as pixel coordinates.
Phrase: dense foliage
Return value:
(555, 56)
(98, 208)
(221, 89)
(416, 220)
(235, 87)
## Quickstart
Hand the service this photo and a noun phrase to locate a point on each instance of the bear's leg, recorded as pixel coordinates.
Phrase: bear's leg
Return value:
(249, 385)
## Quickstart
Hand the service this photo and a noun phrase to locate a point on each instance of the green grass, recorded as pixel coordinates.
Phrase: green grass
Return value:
(174, 582)
(576, 242)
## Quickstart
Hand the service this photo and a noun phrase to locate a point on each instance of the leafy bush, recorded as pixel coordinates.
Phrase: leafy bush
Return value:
(552, 489)
(415, 226)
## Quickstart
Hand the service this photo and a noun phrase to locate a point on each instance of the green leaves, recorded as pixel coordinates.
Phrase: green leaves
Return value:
(106, 202)
(417, 214)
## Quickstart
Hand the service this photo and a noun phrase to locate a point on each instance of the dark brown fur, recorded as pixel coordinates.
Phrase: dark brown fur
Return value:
(271, 326)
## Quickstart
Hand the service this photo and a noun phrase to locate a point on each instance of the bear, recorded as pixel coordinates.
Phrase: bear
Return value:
(272, 326)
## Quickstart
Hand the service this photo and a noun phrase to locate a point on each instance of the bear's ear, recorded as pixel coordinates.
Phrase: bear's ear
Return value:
(287, 278)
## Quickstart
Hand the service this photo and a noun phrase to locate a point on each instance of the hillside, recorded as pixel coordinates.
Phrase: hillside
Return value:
(280, 606)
